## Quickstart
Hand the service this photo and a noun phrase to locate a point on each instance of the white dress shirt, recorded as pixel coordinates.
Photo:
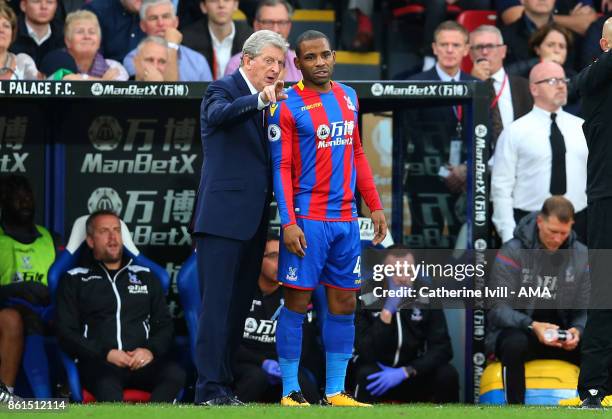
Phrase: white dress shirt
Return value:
(521, 168)
(260, 103)
(39, 40)
(222, 50)
(505, 100)
(444, 76)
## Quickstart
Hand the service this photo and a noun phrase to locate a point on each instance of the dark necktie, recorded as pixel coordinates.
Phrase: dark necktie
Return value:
(496, 122)
(558, 181)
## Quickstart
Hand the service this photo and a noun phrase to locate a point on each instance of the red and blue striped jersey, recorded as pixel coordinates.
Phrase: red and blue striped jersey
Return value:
(317, 158)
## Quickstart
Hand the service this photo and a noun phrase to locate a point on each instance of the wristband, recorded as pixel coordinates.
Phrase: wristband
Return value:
(173, 45)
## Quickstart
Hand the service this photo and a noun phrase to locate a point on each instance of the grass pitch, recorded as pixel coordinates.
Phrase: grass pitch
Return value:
(117, 411)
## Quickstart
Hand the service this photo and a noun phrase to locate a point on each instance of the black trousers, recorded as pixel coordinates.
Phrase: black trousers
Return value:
(228, 270)
(162, 378)
(580, 222)
(439, 386)
(514, 347)
(251, 385)
(597, 339)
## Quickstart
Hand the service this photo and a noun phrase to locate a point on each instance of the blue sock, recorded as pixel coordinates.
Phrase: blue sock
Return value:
(289, 347)
(339, 336)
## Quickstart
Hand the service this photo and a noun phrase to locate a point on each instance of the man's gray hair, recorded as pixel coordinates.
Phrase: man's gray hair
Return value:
(152, 39)
(148, 3)
(272, 3)
(262, 39)
(489, 29)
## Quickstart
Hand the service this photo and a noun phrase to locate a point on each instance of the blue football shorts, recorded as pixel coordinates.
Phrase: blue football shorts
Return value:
(333, 257)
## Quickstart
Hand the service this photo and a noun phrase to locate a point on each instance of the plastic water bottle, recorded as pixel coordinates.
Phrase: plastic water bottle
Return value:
(551, 335)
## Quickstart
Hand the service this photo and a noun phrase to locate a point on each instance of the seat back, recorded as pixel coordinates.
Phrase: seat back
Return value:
(470, 20)
(69, 258)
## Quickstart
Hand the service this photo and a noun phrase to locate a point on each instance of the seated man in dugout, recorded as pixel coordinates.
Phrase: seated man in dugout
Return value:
(112, 316)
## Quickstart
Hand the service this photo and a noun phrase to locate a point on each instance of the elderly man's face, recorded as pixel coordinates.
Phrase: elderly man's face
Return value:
(154, 55)
(274, 18)
(159, 17)
(264, 69)
(487, 46)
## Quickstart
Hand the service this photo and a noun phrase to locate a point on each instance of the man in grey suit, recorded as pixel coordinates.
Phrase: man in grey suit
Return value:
(231, 216)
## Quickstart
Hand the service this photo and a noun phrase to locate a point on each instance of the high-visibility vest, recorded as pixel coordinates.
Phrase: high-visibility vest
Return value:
(26, 262)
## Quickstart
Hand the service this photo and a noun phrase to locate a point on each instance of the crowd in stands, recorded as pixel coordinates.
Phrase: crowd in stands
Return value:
(55, 39)
(538, 151)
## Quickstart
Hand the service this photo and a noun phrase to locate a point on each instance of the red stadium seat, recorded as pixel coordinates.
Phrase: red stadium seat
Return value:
(417, 9)
(470, 20)
(129, 395)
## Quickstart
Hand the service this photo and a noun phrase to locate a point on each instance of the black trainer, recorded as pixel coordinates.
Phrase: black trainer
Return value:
(6, 396)
(592, 400)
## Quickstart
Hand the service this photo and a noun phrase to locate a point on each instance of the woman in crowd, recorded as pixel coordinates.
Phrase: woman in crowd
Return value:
(13, 66)
(551, 42)
(81, 59)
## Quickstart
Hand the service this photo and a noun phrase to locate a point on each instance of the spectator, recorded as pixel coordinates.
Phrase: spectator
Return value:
(274, 15)
(551, 42)
(120, 26)
(435, 13)
(531, 259)
(158, 18)
(151, 59)
(13, 66)
(113, 317)
(575, 15)
(38, 33)
(535, 15)
(541, 154)
(403, 355)
(82, 37)
(64, 7)
(434, 132)
(510, 94)
(216, 36)
(256, 369)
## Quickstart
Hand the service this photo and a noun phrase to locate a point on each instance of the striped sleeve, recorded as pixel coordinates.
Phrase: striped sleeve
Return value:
(281, 128)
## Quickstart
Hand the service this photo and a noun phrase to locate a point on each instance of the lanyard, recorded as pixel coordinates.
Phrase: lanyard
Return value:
(501, 90)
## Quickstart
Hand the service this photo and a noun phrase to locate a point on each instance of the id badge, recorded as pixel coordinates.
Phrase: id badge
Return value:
(454, 158)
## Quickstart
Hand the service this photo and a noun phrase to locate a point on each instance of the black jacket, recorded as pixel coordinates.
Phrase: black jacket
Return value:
(97, 312)
(259, 336)
(25, 44)
(595, 86)
(417, 337)
(518, 263)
